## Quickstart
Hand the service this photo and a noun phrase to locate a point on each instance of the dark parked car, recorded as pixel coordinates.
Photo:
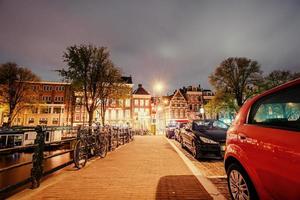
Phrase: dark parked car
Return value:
(180, 127)
(170, 131)
(205, 138)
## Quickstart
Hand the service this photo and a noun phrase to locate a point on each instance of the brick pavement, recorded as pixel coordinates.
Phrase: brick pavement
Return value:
(148, 168)
(212, 169)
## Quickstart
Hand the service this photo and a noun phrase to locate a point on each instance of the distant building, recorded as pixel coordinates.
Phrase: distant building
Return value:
(176, 107)
(196, 98)
(141, 104)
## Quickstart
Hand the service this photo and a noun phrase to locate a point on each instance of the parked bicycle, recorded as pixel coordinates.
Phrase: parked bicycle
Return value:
(90, 143)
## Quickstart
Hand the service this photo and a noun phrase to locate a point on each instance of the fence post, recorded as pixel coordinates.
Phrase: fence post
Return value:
(38, 157)
(118, 136)
(109, 139)
(123, 134)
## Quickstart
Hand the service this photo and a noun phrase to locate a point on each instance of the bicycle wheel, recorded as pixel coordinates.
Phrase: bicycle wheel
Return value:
(103, 147)
(80, 155)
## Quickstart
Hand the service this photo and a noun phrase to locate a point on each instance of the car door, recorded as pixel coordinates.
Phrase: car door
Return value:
(186, 136)
(271, 140)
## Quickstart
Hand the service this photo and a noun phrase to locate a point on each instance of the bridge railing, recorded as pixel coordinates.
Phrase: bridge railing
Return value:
(116, 136)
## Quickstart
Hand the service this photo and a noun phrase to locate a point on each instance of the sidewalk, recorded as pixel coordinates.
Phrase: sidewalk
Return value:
(148, 168)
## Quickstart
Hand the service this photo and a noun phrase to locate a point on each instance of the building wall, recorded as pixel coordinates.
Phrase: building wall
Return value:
(118, 112)
(178, 107)
(141, 110)
(51, 105)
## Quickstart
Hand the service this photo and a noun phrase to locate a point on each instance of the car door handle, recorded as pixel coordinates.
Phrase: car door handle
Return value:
(242, 136)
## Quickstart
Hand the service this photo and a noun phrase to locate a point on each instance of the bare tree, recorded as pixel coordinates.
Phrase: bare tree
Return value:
(237, 78)
(15, 88)
(92, 73)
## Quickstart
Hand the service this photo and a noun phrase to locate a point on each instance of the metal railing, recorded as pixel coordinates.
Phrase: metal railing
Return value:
(116, 137)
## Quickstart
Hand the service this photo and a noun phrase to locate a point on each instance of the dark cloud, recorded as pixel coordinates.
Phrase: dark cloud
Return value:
(178, 42)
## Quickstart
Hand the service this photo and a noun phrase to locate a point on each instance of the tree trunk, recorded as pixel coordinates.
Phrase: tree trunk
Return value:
(103, 110)
(10, 117)
(91, 114)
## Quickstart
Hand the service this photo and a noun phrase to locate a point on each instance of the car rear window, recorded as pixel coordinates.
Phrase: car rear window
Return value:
(281, 109)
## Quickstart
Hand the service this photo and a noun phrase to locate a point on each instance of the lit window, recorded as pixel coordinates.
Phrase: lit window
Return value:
(141, 102)
(136, 102)
(127, 102)
(146, 102)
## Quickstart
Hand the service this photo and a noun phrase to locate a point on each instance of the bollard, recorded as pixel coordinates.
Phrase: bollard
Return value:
(38, 157)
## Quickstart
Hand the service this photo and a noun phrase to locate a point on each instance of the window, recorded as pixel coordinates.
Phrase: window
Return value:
(47, 88)
(57, 110)
(59, 88)
(77, 108)
(34, 110)
(147, 111)
(146, 102)
(47, 99)
(120, 114)
(59, 99)
(127, 114)
(136, 102)
(136, 110)
(113, 114)
(43, 121)
(31, 120)
(77, 117)
(120, 102)
(281, 110)
(142, 102)
(127, 102)
(55, 121)
(45, 110)
(113, 102)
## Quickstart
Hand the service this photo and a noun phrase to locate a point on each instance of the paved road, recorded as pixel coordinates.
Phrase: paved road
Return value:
(148, 168)
(213, 169)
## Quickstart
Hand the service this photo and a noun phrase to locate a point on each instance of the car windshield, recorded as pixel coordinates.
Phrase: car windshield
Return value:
(220, 124)
(200, 125)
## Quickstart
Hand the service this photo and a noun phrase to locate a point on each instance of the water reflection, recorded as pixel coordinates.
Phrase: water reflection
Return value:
(15, 175)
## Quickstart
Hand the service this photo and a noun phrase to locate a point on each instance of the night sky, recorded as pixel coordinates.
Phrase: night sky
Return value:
(178, 41)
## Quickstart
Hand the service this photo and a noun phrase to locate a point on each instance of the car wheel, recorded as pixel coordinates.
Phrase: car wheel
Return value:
(239, 184)
(182, 144)
(196, 152)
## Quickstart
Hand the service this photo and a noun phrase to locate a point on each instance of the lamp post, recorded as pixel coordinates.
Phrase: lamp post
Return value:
(157, 89)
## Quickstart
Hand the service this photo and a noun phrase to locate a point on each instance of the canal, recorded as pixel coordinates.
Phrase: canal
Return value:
(18, 174)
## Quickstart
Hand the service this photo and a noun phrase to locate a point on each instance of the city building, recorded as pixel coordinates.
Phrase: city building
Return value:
(176, 107)
(141, 104)
(196, 98)
(51, 105)
(118, 112)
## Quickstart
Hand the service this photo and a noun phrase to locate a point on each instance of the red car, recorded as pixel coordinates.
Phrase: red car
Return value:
(262, 158)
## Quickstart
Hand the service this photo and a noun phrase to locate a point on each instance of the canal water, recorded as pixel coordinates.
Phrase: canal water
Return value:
(18, 174)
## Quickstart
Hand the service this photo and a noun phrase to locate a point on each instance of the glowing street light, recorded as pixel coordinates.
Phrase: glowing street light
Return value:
(158, 87)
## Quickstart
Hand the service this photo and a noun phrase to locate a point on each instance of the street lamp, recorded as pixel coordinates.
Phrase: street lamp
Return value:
(158, 87)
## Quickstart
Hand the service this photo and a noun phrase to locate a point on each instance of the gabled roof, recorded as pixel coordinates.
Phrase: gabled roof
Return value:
(141, 91)
(178, 93)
